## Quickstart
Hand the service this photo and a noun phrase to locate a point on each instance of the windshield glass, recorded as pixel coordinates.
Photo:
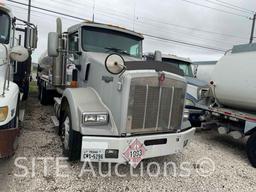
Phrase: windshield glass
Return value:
(4, 27)
(107, 41)
(184, 66)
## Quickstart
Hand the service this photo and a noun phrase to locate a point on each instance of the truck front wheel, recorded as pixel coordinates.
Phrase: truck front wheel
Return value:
(251, 149)
(71, 139)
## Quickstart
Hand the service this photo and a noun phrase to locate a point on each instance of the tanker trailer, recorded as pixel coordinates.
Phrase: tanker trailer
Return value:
(231, 100)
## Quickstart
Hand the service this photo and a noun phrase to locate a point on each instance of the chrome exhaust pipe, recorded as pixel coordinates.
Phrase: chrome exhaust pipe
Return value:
(57, 66)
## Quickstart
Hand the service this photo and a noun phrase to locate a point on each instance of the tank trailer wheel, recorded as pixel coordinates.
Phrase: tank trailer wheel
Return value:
(71, 139)
(251, 149)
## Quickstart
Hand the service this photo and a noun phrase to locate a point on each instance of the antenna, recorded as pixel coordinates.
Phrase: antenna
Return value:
(134, 14)
(93, 9)
(29, 10)
(253, 26)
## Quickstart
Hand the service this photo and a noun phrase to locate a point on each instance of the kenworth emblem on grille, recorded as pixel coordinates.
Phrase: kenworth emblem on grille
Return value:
(161, 78)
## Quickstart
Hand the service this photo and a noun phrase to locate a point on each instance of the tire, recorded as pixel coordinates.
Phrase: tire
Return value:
(251, 149)
(39, 91)
(43, 96)
(25, 90)
(72, 140)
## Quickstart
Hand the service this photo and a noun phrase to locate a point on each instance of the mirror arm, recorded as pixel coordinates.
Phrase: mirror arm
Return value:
(27, 23)
(124, 69)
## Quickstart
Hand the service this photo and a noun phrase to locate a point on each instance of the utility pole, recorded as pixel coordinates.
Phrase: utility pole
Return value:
(29, 10)
(253, 26)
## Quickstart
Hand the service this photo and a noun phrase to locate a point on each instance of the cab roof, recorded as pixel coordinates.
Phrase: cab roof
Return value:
(103, 26)
(169, 56)
(6, 9)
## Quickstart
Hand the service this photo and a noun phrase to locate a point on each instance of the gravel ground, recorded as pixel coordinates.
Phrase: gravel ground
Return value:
(228, 169)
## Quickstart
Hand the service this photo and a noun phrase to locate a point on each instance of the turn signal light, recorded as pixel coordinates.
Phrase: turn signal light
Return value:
(3, 113)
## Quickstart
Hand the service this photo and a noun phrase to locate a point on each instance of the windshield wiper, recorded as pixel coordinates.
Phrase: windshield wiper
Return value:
(117, 50)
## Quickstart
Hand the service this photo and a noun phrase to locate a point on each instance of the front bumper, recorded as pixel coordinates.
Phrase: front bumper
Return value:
(154, 145)
(8, 141)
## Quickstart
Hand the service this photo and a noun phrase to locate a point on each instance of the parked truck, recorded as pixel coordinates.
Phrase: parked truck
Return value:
(114, 107)
(231, 101)
(16, 44)
(195, 87)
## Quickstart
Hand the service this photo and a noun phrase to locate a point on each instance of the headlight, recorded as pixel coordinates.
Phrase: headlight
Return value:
(3, 113)
(189, 102)
(185, 114)
(95, 118)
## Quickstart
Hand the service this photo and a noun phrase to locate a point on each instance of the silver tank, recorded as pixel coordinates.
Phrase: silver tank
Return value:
(234, 78)
(46, 63)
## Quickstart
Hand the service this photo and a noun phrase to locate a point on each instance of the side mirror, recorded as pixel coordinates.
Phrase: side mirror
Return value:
(53, 44)
(19, 54)
(31, 38)
(115, 64)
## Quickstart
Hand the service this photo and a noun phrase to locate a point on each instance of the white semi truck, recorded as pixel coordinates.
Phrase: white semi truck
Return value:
(14, 71)
(231, 101)
(115, 107)
(195, 87)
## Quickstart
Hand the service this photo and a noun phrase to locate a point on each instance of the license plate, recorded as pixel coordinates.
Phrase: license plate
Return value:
(93, 154)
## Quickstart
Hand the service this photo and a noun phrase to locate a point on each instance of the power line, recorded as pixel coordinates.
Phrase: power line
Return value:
(146, 19)
(195, 29)
(38, 11)
(224, 2)
(229, 6)
(216, 9)
(47, 10)
(148, 35)
(185, 43)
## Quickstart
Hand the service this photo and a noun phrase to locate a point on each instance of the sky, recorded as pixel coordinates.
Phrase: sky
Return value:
(217, 24)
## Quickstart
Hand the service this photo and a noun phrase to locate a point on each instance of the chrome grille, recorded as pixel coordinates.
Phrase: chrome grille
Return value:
(154, 108)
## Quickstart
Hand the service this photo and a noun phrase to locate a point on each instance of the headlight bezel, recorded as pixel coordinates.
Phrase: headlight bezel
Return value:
(186, 114)
(95, 118)
(4, 113)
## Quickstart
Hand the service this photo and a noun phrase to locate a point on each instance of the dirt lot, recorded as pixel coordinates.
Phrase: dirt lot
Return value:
(228, 169)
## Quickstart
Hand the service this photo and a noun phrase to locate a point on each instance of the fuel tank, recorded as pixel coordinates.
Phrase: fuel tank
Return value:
(235, 78)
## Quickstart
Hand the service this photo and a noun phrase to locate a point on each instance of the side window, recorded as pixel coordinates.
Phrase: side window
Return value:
(73, 43)
(134, 50)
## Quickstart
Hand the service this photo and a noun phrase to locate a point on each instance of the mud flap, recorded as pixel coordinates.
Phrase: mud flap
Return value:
(8, 141)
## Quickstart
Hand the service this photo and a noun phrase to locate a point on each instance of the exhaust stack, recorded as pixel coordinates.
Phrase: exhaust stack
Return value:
(58, 61)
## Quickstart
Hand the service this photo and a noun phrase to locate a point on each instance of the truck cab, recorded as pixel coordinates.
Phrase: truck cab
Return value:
(117, 107)
(11, 54)
(195, 87)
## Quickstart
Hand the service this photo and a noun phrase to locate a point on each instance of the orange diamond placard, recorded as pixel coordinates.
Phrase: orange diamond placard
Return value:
(134, 152)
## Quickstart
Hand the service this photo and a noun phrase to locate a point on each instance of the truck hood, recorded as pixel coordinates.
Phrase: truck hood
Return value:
(196, 82)
(101, 57)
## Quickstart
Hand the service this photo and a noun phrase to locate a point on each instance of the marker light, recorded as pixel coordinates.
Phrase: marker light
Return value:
(3, 113)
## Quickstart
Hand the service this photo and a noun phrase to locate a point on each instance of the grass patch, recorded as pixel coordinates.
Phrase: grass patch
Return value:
(33, 87)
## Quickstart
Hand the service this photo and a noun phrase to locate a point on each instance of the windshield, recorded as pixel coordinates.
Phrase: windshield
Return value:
(184, 66)
(4, 27)
(107, 41)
